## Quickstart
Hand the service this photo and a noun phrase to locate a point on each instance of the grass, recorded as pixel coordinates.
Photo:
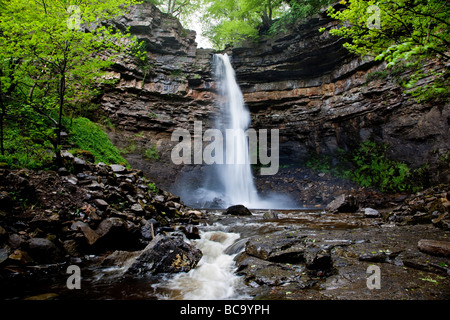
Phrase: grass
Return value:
(91, 137)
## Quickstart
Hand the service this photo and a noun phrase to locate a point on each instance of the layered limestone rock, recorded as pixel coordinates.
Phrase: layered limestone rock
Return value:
(303, 83)
(169, 89)
(320, 98)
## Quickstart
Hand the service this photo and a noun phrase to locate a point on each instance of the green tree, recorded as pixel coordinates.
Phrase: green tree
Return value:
(232, 21)
(53, 53)
(408, 33)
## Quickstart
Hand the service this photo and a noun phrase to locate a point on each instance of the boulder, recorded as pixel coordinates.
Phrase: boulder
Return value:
(238, 210)
(434, 247)
(118, 168)
(101, 204)
(277, 248)
(116, 233)
(90, 235)
(166, 254)
(44, 251)
(343, 203)
(371, 213)
(191, 232)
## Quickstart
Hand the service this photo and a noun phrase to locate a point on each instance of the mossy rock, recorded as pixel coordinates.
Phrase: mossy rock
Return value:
(84, 154)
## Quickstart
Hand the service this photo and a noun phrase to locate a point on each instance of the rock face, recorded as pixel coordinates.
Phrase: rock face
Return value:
(303, 83)
(320, 98)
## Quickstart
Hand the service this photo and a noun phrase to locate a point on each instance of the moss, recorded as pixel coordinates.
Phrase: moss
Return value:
(90, 137)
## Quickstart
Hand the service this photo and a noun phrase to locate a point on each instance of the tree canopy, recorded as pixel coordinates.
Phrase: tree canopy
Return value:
(232, 21)
(53, 54)
(404, 33)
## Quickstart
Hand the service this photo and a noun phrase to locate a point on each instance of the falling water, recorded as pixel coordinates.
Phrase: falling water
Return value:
(236, 174)
(231, 182)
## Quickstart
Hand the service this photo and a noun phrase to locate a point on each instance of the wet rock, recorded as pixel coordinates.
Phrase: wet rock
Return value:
(277, 248)
(101, 204)
(137, 208)
(21, 257)
(44, 251)
(3, 255)
(15, 240)
(318, 258)
(238, 210)
(166, 254)
(5, 200)
(270, 215)
(343, 203)
(442, 222)
(434, 247)
(3, 233)
(79, 164)
(148, 230)
(116, 233)
(420, 218)
(63, 171)
(371, 213)
(90, 235)
(191, 232)
(118, 168)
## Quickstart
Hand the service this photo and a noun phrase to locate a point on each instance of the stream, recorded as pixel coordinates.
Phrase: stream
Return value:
(350, 242)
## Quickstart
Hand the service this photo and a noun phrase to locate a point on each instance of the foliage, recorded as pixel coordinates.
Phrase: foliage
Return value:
(410, 32)
(374, 169)
(299, 9)
(153, 188)
(230, 22)
(181, 9)
(25, 150)
(52, 56)
(91, 137)
(151, 153)
(369, 166)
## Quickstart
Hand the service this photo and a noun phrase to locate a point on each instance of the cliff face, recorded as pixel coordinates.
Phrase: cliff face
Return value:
(320, 97)
(303, 83)
(171, 87)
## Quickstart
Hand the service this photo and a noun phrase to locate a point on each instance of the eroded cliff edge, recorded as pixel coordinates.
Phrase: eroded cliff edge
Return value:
(304, 83)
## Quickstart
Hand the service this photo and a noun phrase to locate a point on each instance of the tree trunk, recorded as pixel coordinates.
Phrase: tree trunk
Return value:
(62, 92)
(2, 119)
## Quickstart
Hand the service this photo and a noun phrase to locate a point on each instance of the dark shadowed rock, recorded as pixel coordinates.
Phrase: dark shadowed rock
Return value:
(44, 251)
(238, 210)
(166, 254)
(343, 203)
(116, 233)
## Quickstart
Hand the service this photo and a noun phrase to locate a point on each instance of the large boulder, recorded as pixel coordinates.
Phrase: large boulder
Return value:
(44, 251)
(238, 210)
(343, 203)
(166, 254)
(117, 233)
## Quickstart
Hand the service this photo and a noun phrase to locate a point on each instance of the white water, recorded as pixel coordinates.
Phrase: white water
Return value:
(236, 175)
(214, 277)
(232, 183)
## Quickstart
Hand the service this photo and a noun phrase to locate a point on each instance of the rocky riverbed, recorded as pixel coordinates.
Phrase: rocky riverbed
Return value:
(129, 238)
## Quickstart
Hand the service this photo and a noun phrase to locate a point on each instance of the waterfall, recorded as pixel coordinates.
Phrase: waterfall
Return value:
(231, 182)
(236, 173)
